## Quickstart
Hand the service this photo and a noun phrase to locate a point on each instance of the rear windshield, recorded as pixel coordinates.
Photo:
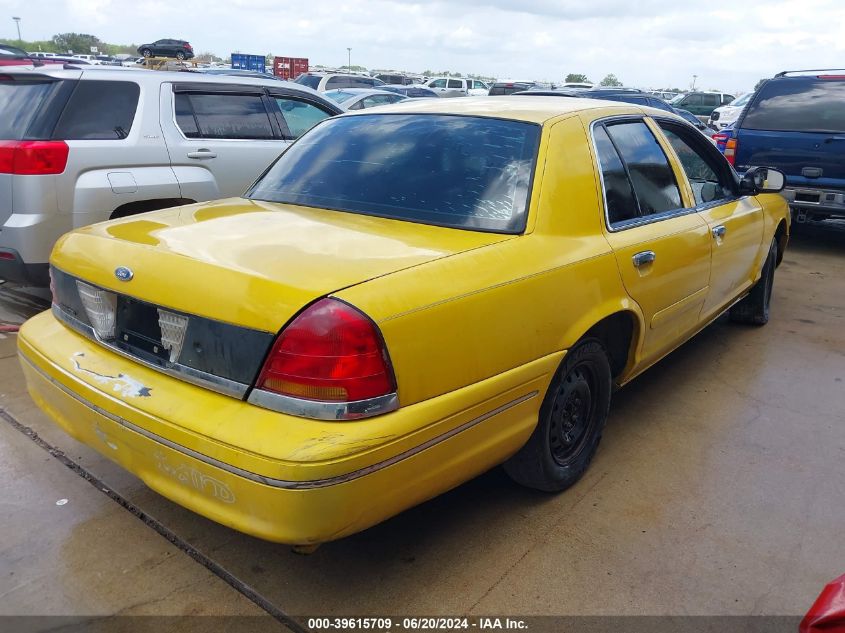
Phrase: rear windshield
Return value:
(20, 103)
(507, 89)
(813, 105)
(456, 171)
(312, 81)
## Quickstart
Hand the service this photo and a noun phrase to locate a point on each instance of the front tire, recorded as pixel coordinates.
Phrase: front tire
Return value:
(571, 422)
(754, 308)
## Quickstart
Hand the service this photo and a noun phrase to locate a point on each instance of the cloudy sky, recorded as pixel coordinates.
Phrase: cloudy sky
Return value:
(728, 44)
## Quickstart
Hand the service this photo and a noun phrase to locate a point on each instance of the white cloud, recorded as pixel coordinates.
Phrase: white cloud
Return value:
(649, 43)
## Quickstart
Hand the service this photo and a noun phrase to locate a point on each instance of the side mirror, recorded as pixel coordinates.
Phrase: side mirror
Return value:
(762, 180)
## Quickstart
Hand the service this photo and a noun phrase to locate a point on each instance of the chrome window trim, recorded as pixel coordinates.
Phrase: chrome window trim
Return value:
(188, 374)
(320, 410)
(269, 481)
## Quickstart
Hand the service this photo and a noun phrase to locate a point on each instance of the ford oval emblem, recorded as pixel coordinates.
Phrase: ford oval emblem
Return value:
(123, 273)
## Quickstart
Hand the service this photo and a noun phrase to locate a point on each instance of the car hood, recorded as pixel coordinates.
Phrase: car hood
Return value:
(252, 263)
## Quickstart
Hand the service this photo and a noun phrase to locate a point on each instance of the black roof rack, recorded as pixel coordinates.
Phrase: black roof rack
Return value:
(810, 70)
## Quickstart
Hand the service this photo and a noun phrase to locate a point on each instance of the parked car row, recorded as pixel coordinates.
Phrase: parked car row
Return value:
(85, 145)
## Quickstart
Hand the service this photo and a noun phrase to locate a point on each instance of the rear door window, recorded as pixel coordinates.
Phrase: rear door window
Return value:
(798, 105)
(455, 83)
(99, 110)
(710, 100)
(223, 115)
(647, 166)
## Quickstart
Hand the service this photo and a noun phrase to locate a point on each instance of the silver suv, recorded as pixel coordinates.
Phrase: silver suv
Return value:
(83, 146)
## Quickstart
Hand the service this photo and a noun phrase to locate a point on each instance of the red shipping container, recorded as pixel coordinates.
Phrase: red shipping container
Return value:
(290, 67)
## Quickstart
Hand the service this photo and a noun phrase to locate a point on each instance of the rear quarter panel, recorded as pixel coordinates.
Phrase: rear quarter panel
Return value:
(471, 316)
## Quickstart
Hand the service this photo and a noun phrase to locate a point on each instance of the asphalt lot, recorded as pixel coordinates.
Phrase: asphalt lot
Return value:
(718, 489)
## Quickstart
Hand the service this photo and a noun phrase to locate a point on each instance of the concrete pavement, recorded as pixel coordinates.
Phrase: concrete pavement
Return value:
(718, 489)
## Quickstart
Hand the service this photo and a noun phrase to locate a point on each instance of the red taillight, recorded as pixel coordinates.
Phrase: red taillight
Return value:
(730, 150)
(29, 158)
(834, 77)
(7, 255)
(330, 353)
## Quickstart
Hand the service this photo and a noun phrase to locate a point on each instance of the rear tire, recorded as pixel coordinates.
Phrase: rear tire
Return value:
(147, 52)
(571, 422)
(754, 308)
(180, 55)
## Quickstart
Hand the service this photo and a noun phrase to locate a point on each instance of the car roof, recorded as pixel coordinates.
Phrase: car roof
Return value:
(362, 91)
(69, 71)
(536, 110)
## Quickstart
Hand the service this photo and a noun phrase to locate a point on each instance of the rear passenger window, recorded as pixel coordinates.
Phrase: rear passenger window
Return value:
(222, 115)
(299, 116)
(649, 170)
(619, 197)
(99, 110)
(455, 83)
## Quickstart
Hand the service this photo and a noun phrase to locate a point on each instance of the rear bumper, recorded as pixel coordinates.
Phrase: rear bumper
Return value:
(31, 236)
(16, 270)
(301, 492)
(810, 201)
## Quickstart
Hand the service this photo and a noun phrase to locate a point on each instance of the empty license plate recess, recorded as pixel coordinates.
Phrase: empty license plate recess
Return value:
(138, 330)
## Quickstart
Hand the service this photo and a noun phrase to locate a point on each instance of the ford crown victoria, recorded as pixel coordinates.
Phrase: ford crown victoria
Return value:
(404, 300)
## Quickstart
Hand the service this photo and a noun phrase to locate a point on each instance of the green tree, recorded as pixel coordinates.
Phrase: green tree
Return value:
(611, 80)
(76, 42)
(576, 78)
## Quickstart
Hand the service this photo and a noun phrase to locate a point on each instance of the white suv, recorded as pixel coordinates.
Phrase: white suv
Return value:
(83, 146)
(457, 87)
(724, 115)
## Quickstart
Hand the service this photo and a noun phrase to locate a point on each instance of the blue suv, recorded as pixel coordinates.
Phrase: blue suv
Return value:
(796, 123)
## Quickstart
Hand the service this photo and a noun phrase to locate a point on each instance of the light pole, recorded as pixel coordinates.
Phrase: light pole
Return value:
(348, 58)
(694, 77)
(18, 24)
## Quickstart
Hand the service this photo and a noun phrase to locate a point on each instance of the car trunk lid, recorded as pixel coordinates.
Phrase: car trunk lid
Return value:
(251, 263)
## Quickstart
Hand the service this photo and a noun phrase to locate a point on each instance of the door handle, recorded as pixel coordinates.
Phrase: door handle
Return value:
(719, 231)
(202, 154)
(643, 258)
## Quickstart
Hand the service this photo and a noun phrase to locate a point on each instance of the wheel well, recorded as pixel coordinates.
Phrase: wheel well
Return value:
(781, 238)
(616, 332)
(142, 206)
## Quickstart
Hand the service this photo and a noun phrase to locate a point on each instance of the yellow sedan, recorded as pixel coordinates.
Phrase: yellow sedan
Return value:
(404, 300)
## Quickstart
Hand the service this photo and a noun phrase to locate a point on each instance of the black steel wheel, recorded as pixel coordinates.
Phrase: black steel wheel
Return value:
(570, 423)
